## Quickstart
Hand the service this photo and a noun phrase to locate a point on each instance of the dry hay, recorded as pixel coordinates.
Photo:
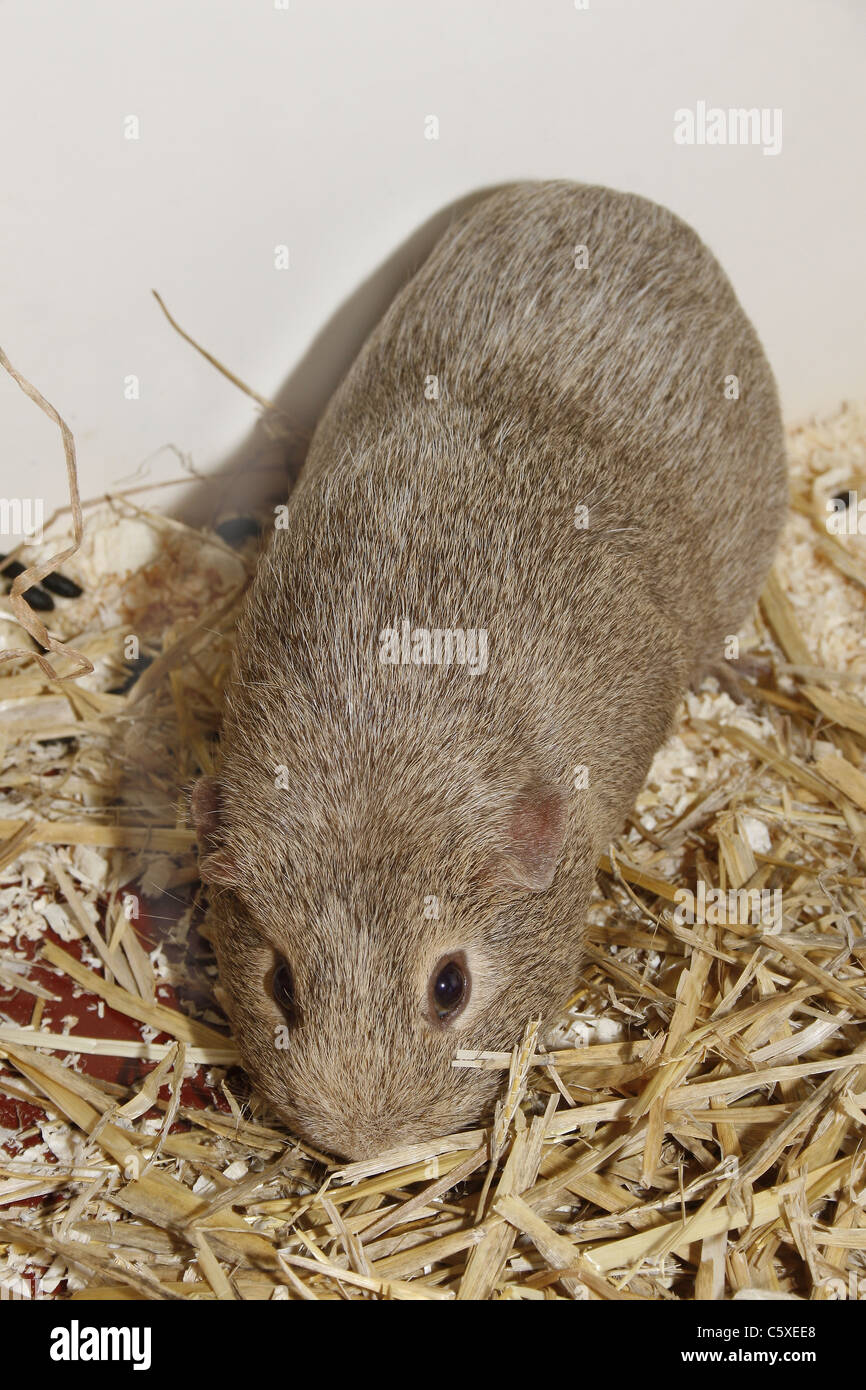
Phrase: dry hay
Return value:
(691, 1129)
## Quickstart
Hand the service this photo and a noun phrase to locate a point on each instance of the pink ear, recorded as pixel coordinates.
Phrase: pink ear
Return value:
(206, 806)
(216, 864)
(534, 835)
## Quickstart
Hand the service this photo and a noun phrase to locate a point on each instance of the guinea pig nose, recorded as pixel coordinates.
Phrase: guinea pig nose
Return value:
(366, 1138)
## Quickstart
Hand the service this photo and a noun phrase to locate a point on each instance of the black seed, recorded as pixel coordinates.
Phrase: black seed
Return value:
(38, 599)
(843, 497)
(62, 587)
(238, 529)
(56, 583)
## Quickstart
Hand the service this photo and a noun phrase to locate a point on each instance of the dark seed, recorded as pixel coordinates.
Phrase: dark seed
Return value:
(38, 599)
(61, 586)
(238, 529)
(56, 583)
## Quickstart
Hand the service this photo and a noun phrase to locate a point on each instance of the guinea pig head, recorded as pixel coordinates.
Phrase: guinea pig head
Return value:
(353, 975)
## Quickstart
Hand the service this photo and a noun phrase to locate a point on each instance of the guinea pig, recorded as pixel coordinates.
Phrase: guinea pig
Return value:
(546, 491)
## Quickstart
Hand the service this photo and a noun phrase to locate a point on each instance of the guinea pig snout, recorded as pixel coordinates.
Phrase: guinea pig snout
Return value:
(372, 1123)
(364, 1125)
(363, 1136)
(363, 1142)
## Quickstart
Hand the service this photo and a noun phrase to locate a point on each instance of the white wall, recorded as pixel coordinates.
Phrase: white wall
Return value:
(305, 126)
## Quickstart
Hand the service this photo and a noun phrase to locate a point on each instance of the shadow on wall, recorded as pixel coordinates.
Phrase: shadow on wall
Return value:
(262, 470)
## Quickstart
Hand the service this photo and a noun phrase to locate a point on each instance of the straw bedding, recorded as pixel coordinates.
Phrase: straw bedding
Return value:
(691, 1128)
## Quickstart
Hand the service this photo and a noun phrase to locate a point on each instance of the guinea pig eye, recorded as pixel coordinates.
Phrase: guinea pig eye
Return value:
(283, 989)
(449, 988)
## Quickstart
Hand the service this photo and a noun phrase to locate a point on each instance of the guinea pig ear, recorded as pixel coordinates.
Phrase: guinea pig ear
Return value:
(216, 864)
(535, 824)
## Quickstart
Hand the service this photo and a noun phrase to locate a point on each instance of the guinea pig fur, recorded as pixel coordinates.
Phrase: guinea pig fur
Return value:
(545, 493)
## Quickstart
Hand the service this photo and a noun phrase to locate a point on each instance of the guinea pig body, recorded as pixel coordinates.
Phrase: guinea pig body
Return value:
(547, 490)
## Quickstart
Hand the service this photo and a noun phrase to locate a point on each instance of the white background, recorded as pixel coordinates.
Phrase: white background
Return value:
(305, 126)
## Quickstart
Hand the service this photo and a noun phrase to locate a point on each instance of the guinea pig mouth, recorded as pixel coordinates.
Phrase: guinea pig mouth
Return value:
(350, 1141)
(365, 1134)
(359, 1143)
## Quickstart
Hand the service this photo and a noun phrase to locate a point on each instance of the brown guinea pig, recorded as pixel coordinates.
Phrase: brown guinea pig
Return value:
(546, 491)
